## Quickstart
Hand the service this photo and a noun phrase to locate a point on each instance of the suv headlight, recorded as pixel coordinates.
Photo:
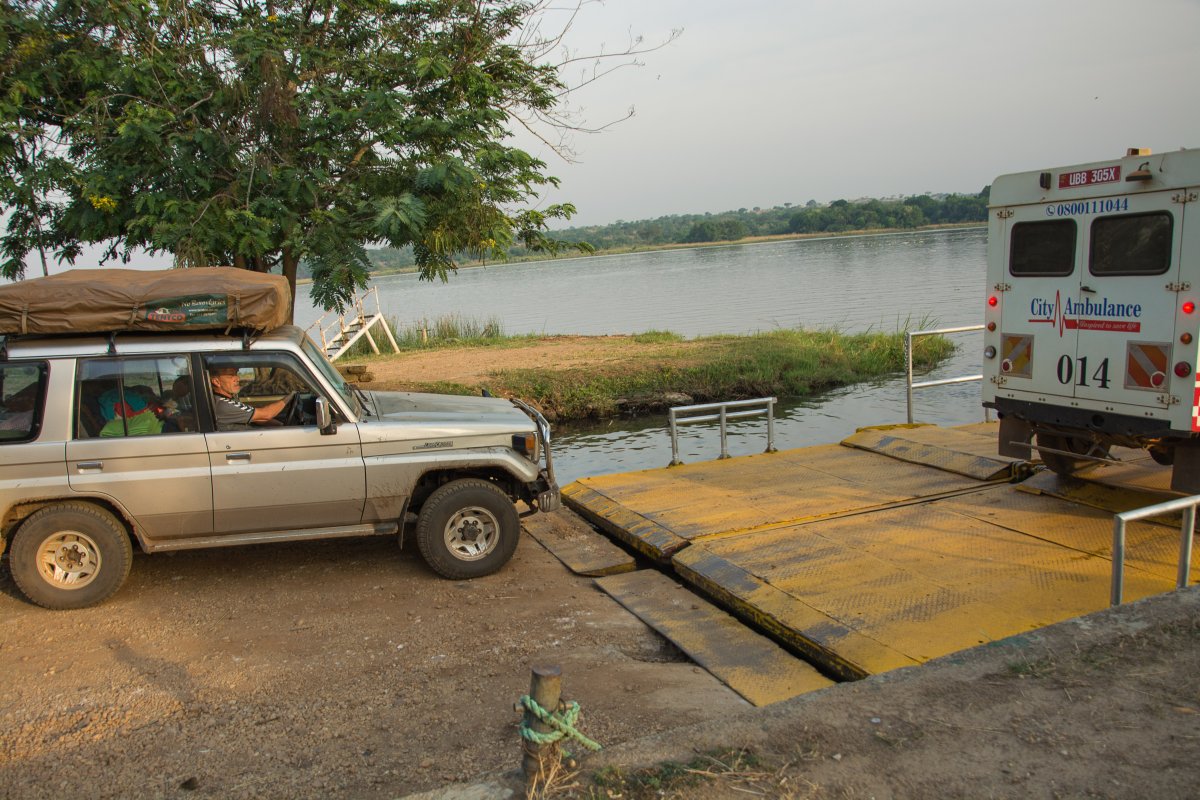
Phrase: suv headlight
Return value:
(527, 445)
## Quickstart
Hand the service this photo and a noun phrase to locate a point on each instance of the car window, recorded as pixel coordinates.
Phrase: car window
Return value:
(135, 396)
(22, 398)
(331, 374)
(1134, 244)
(258, 389)
(1042, 249)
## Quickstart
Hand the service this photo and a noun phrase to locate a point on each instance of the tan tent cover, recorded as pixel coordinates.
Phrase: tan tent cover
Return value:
(102, 300)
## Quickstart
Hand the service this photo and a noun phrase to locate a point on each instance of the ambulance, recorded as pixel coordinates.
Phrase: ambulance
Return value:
(1092, 312)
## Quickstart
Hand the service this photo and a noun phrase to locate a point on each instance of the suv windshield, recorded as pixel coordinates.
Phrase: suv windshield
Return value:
(331, 374)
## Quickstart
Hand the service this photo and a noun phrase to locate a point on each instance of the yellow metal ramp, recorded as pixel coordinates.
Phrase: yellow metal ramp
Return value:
(866, 562)
(576, 544)
(658, 512)
(968, 450)
(866, 594)
(749, 663)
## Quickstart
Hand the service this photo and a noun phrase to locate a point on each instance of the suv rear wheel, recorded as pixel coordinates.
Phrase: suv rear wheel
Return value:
(467, 528)
(70, 555)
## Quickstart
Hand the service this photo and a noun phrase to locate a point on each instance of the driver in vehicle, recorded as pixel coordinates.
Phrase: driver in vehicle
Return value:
(231, 413)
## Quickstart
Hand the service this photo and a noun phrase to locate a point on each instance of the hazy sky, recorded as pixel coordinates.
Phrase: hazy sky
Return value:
(765, 102)
(771, 101)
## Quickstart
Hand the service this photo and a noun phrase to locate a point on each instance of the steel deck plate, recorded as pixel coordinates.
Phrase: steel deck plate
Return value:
(747, 662)
(968, 450)
(866, 594)
(659, 511)
(576, 544)
(866, 562)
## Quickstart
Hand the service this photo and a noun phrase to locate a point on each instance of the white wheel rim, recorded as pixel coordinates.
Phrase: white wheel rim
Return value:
(68, 559)
(472, 533)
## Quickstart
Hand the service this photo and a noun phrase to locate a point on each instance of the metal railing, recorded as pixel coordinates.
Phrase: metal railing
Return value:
(908, 365)
(1185, 504)
(684, 415)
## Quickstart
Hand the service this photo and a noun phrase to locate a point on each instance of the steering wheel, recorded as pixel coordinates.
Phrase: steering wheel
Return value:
(293, 411)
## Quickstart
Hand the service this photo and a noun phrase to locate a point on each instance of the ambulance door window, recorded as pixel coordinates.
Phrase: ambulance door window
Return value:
(1042, 249)
(1134, 244)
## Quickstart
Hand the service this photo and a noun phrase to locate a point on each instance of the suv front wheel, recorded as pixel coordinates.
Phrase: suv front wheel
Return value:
(467, 528)
(70, 555)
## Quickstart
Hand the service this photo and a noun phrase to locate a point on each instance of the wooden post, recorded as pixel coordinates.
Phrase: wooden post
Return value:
(545, 687)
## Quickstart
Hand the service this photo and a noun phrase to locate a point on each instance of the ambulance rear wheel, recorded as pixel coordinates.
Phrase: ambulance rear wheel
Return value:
(1066, 465)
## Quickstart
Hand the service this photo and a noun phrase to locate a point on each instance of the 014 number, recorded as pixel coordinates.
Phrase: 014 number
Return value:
(1075, 370)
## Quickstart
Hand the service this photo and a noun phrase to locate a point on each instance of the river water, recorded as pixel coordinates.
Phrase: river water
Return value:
(881, 282)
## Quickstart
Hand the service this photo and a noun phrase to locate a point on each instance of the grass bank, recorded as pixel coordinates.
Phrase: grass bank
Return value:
(574, 378)
(786, 363)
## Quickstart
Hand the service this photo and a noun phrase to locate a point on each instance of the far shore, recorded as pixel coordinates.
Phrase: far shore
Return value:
(617, 251)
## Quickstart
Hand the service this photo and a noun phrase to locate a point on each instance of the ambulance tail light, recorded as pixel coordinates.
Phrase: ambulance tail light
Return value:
(1183, 369)
(993, 301)
(1188, 307)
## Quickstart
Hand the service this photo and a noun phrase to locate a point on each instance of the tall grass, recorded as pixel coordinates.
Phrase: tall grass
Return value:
(448, 330)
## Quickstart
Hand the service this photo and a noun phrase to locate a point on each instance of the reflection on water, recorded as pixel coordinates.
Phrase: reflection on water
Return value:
(930, 279)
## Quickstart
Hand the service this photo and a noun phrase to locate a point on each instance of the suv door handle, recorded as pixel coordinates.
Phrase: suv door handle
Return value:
(237, 456)
(1087, 289)
(89, 466)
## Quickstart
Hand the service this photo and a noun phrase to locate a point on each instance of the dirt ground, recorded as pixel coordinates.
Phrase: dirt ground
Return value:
(471, 366)
(348, 669)
(311, 670)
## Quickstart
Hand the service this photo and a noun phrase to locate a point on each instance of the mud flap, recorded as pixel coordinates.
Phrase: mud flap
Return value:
(1185, 476)
(1015, 437)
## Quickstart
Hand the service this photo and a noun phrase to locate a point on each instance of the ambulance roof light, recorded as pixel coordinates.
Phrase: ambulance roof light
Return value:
(1142, 173)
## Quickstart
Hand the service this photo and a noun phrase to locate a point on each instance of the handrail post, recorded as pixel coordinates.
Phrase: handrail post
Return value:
(908, 371)
(1118, 558)
(724, 435)
(1185, 548)
(771, 425)
(674, 440)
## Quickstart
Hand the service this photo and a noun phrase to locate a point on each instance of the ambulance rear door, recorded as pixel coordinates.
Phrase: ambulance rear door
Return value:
(1040, 256)
(1125, 311)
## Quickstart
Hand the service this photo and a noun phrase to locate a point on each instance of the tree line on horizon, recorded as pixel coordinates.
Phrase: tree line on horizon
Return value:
(839, 216)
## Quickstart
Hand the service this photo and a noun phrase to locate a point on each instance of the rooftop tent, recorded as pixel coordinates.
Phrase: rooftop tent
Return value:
(102, 300)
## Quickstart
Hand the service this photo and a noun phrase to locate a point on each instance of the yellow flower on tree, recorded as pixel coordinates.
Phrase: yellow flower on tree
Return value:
(102, 203)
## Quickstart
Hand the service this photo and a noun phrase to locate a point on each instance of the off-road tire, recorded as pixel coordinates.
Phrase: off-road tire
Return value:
(1065, 465)
(70, 555)
(453, 520)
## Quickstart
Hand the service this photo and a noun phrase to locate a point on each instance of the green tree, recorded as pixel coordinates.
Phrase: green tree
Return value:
(263, 134)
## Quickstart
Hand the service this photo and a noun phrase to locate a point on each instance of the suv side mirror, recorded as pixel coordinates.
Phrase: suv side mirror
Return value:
(324, 419)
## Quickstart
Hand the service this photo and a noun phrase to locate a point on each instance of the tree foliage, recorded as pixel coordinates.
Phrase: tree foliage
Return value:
(263, 134)
(836, 217)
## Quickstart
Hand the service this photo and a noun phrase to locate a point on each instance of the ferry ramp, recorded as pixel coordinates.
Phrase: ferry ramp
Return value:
(896, 546)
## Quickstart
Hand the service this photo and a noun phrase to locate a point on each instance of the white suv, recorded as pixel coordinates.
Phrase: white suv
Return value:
(110, 440)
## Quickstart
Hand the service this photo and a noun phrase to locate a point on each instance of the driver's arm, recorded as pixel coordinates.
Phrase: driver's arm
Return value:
(270, 410)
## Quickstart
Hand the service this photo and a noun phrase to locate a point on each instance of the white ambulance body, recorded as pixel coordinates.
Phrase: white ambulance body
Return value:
(1093, 312)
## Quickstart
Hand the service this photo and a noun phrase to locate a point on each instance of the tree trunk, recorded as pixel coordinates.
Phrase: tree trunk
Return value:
(290, 265)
